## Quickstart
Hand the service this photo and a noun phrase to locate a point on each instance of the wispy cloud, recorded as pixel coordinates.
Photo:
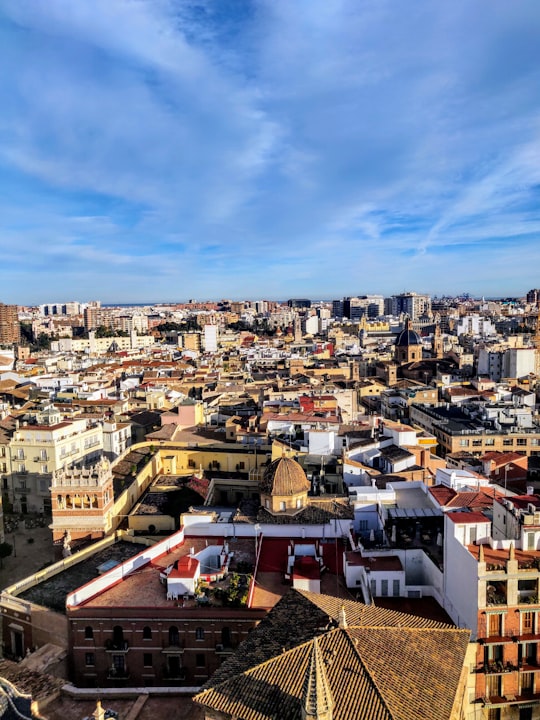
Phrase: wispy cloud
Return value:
(192, 148)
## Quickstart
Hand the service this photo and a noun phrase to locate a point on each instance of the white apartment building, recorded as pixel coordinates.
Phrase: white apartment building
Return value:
(210, 338)
(498, 363)
(475, 325)
(36, 451)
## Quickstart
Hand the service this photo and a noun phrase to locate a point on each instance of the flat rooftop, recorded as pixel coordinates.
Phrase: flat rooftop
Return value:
(413, 498)
(144, 588)
(52, 592)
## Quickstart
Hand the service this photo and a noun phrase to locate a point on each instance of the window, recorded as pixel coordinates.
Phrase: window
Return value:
(508, 441)
(88, 633)
(200, 660)
(521, 441)
(282, 506)
(241, 465)
(526, 681)
(89, 659)
(384, 588)
(147, 633)
(199, 633)
(464, 443)
(118, 664)
(495, 625)
(527, 623)
(147, 659)
(373, 586)
(395, 588)
(226, 637)
(362, 525)
(118, 637)
(174, 636)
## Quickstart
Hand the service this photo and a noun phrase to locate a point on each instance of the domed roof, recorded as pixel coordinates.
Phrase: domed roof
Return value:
(284, 476)
(408, 336)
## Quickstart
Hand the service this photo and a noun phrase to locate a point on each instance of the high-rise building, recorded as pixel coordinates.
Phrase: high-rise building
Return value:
(10, 329)
(533, 296)
(92, 315)
(299, 303)
(411, 304)
(355, 308)
(337, 309)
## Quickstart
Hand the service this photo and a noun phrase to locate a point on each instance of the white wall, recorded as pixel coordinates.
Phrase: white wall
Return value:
(460, 577)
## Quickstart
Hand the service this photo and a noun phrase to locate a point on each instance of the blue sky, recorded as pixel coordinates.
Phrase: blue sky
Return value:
(160, 150)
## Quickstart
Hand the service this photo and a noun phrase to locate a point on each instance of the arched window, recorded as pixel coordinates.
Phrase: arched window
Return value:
(118, 637)
(88, 633)
(199, 633)
(226, 638)
(174, 636)
(147, 633)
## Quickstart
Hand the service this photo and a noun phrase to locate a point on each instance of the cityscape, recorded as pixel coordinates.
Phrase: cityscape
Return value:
(219, 509)
(269, 360)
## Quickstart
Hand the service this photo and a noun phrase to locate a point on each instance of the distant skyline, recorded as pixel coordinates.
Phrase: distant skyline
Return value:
(154, 150)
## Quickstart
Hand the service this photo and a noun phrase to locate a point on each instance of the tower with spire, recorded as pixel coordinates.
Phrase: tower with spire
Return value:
(317, 702)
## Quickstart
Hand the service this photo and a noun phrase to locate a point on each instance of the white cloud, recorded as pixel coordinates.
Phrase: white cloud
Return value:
(276, 139)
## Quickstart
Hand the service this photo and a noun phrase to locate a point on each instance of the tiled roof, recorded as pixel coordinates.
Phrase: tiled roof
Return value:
(384, 665)
(467, 517)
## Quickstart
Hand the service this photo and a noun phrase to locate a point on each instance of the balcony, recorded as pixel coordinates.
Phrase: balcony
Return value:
(112, 646)
(508, 637)
(118, 674)
(527, 597)
(224, 649)
(495, 667)
(528, 664)
(498, 700)
(173, 649)
(496, 593)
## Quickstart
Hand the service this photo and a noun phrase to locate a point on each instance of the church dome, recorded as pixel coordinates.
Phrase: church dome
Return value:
(284, 476)
(408, 337)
